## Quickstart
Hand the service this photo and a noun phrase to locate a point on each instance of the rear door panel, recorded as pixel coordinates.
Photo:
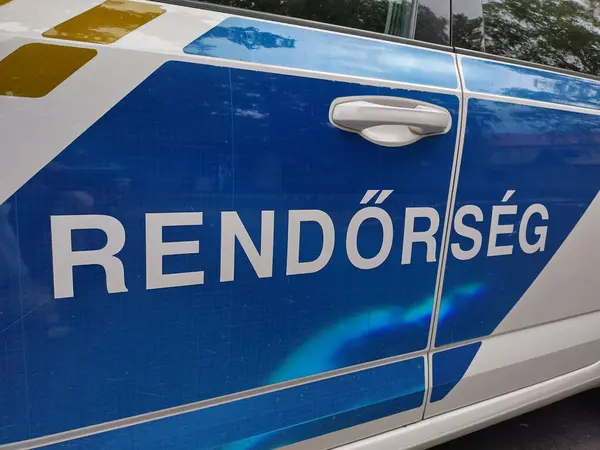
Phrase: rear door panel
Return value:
(530, 159)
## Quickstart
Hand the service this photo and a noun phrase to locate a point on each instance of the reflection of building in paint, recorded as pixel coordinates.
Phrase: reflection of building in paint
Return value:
(318, 354)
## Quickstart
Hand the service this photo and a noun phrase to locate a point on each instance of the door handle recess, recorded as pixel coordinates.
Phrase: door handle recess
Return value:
(389, 121)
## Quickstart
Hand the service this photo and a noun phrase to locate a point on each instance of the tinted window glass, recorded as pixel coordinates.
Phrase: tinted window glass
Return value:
(426, 21)
(559, 33)
(433, 22)
(467, 24)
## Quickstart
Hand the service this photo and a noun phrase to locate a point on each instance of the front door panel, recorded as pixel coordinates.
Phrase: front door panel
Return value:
(240, 234)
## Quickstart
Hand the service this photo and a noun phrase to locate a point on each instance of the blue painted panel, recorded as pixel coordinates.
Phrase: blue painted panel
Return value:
(547, 156)
(279, 418)
(14, 416)
(283, 45)
(525, 82)
(212, 139)
(449, 366)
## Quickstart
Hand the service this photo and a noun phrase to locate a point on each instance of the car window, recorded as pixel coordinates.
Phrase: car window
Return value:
(467, 24)
(425, 20)
(433, 22)
(559, 33)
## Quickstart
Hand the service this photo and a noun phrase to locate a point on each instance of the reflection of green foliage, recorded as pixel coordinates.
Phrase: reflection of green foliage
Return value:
(559, 33)
(467, 33)
(369, 15)
(431, 28)
(362, 14)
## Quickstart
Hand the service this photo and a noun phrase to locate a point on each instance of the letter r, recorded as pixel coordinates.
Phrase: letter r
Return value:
(427, 237)
(64, 258)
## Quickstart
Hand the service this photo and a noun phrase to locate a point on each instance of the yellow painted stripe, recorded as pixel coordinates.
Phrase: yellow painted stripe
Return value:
(33, 70)
(4, 2)
(106, 23)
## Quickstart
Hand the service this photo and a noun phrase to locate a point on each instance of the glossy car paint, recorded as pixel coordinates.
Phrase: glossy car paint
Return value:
(257, 331)
(217, 114)
(269, 43)
(193, 136)
(534, 132)
(509, 145)
(282, 417)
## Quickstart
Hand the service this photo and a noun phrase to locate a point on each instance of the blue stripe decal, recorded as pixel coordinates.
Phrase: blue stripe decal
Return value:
(449, 366)
(199, 138)
(493, 77)
(278, 418)
(282, 45)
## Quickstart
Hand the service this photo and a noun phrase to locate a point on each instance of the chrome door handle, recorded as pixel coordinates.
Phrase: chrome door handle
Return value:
(389, 121)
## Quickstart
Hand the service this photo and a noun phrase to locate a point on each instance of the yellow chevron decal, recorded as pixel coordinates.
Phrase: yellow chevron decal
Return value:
(33, 70)
(106, 23)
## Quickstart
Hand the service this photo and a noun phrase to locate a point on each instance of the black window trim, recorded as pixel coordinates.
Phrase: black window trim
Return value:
(519, 62)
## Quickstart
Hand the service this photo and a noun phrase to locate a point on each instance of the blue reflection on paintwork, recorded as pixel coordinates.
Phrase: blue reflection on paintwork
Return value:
(255, 41)
(320, 353)
(528, 83)
(454, 300)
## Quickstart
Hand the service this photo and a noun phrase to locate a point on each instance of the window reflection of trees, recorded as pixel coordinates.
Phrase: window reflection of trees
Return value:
(394, 17)
(367, 15)
(432, 27)
(467, 32)
(558, 33)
